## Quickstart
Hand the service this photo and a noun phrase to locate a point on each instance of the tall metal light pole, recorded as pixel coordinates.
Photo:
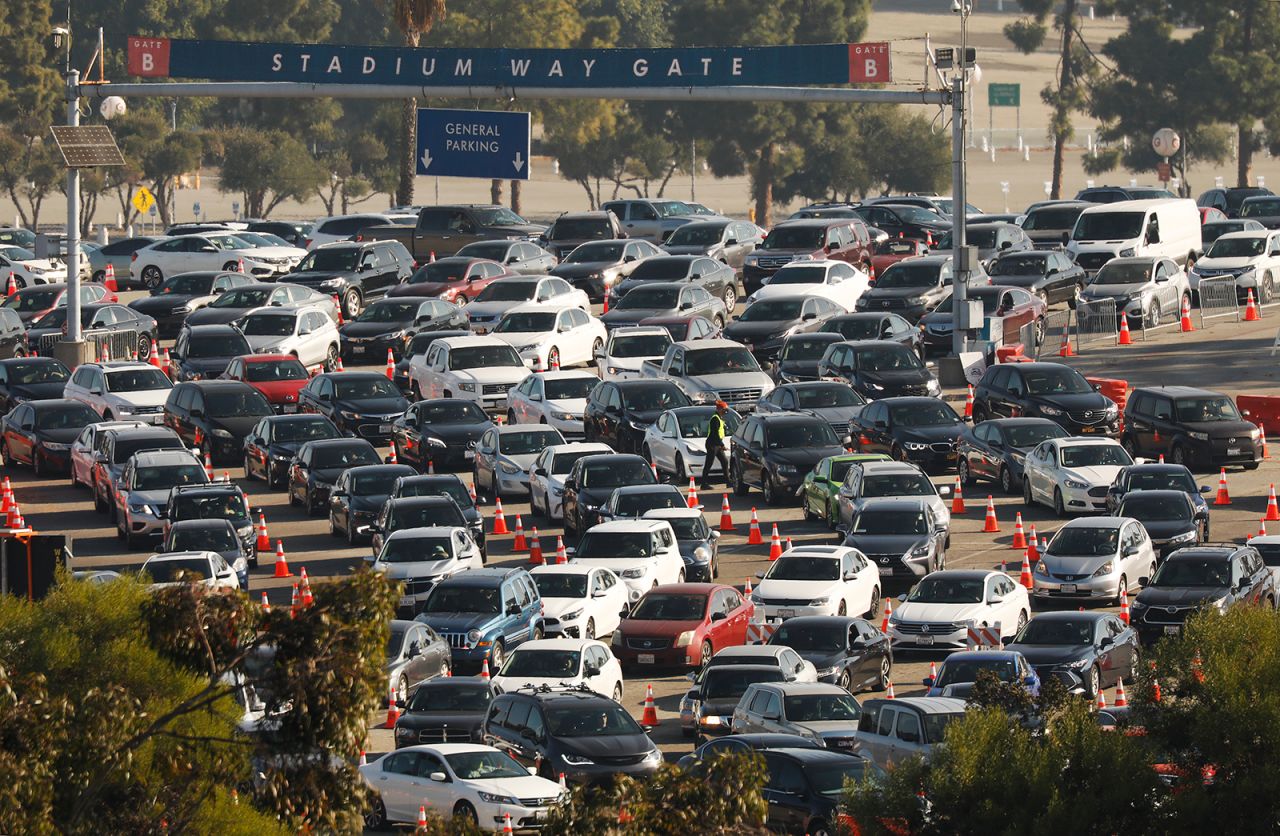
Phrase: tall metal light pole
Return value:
(959, 266)
(73, 217)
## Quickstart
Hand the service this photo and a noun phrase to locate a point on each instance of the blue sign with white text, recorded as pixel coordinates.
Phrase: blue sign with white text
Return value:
(488, 144)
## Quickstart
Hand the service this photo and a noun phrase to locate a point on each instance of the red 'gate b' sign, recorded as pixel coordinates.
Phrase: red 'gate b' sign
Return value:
(148, 57)
(869, 63)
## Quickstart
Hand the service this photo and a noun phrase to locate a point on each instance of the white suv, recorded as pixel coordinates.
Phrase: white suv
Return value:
(307, 332)
(480, 369)
(1252, 257)
(121, 390)
(818, 580)
(644, 553)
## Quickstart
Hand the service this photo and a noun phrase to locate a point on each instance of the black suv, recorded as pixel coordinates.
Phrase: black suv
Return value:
(591, 482)
(213, 501)
(1193, 427)
(1228, 201)
(878, 369)
(215, 416)
(619, 411)
(805, 786)
(1158, 477)
(585, 737)
(1045, 390)
(1216, 576)
(203, 352)
(774, 452)
(356, 272)
(913, 287)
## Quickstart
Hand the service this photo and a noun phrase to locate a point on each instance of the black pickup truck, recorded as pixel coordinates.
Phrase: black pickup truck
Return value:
(443, 230)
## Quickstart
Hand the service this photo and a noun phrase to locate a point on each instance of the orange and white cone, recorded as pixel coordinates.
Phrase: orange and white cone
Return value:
(10, 285)
(535, 550)
(1066, 350)
(471, 489)
(519, 544)
(1262, 434)
(1024, 577)
(364, 759)
(1184, 324)
(391, 365)
(1273, 511)
(168, 364)
(754, 537)
(1102, 700)
(1125, 337)
(1262, 528)
(266, 605)
(337, 304)
(109, 279)
(726, 515)
(693, 493)
(1019, 534)
(484, 668)
(888, 692)
(393, 458)
(562, 557)
(649, 719)
(933, 671)
(775, 544)
(506, 823)
(282, 565)
(1033, 545)
(1251, 309)
(393, 710)
(957, 499)
(154, 359)
(968, 403)
(746, 592)
(499, 519)
(991, 525)
(654, 467)
(1223, 497)
(264, 541)
(422, 817)
(307, 599)
(1124, 605)
(888, 611)
(208, 466)
(1121, 700)
(339, 367)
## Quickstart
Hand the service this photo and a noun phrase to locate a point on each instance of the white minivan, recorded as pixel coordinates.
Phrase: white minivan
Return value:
(1158, 227)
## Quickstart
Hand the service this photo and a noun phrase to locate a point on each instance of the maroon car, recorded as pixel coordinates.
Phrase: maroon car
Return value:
(456, 279)
(685, 327)
(682, 624)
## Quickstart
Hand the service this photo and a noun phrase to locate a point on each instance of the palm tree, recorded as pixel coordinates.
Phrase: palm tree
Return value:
(414, 18)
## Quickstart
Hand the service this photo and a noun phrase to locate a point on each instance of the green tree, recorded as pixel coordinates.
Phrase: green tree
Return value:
(267, 168)
(30, 87)
(31, 169)
(413, 19)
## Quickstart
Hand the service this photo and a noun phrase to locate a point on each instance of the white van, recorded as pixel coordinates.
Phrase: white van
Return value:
(1158, 227)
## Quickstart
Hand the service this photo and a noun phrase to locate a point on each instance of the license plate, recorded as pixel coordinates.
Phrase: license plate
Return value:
(476, 330)
(357, 349)
(924, 639)
(1233, 451)
(406, 600)
(886, 570)
(290, 408)
(1068, 588)
(1086, 429)
(1172, 629)
(384, 428)
(786, 613)
(644, 658)
(469, 454)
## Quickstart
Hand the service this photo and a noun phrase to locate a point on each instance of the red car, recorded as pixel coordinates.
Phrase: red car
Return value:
(892, 250)
(681, 625)
(455, 279)
(33, 302)
(279, 377)
(1208, 215)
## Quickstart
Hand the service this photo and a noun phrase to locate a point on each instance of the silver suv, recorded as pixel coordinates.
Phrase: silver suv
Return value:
(1148, 289)
(138, 505)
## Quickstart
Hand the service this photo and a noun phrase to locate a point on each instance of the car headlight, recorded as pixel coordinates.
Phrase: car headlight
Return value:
(1104, 570)
(397, 335)
(181, 309)
(802, 258)
(576, 760)
(705, 396)
(820, 602)
(1136, 605)
(709, 719)
(614, 369)
(1219, 603)
(1079, 664)
(934, 386)
(473, 637)
(572, 616)
(636, 425)
(914, 445)
(241, 565)
(1112, 411)
(1041, 569)
(142, 509)
(633, 573)
(350, 416)
(752, 259)
(827, 671)
(1127, 252)
(281, 457)
(684, 639)
(1050, 410)
(1074, 485)
(331, 283)
(653, 757)
(509, 468)
(494, 798)
(875, 387)
(403, 732)
(1020, 458)
(787, 468)
(565, 416)
(221, 434)
(922, 549)
(435, 442)
(1199, 436)
(1255, 433)
(702, 554)
(467, 387)
(1184, 537)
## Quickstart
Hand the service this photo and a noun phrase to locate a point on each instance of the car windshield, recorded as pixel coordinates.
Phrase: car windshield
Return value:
(1173, 480)
(1051, 218)
(304, 429)
(796, 435)
(424, 516)
(220, 538)
(671, 209)
(231, 344)
(650, 298)
(1270, 553)
(1028, 436)
(984, 238)
(364, 388)
(1260, 207)
(1245, 247)
(389, 311)
(773, 310)
(811, 708)
(799, 275)
(696, 235)
(275, 370)
(443, 272)
(880, 522)
(415, 549)
(967, 670)
(561, 585)
(483, 357)
(189, 284)
(452, 411)
(1108, 226)
(992, 298)
(481, 766)
(542, 663)
(580, 229)
(1019, 265)
(794, 238)
(498, 215)
(562, 463)
(661, 270)
(521, 322)
(689, 528)
(800, 567)
(236, 404)
(1123, 272)
(589, 253)
(854, 327)
(506, 290)
(338, 259)
(482, 600)
(1085, 541)
(1055, 381)
(907, 274)
(800, 349)
(376, 483)
(897, 484)
(343, 455)
(694, 424)
(1056, 631)
(448, 696)
(126, 447)
(600, 720)
(137, 380)
(71, 416)
(724, 682)
(177, 569)
(163, 478)
(219, 506)
(38, 299)
(658, 396)
(719, 361)
(524, 443)
(1095, 455)
(243, 297)
(1159, 508)
(1205, 410)
(886, 358)
(451, 487)
(923, 414)
(491, 250)
(615, 474)
(639, 345)
(811, 637)
(620, 545)
(24, 374)
(947, 589)
(569, 388)
(1193, 571)
(268, 325)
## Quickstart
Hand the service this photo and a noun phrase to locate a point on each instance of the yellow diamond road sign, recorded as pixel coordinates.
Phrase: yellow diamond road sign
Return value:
(143, 199)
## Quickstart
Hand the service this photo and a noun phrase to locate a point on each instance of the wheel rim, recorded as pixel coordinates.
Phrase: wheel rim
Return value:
(331, 361)
(402, 690)
(151, 277)
(376, 817)
(617, 692)
(1153, 316)
(962, 470)
(1006, 480)
(495, 657)
(353, 304)
(1095, 681)
(844, 681)
(706, 652)
(144, 347)
(553, 357)
(461, 299)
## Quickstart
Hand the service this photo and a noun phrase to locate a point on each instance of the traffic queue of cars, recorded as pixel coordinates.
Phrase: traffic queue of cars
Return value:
(828, 405)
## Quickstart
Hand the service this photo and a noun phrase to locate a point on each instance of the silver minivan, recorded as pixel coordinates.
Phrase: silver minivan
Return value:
(892, 730)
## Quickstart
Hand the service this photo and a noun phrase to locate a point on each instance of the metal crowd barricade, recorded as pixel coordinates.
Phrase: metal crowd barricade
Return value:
(1096, 323)
(1218, 299)
(1057, 330)
(120, 344)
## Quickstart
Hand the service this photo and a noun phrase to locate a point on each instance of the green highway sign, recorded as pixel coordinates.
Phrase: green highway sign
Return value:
(1004, 95)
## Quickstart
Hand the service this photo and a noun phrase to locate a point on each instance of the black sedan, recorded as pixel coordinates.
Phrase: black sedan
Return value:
(665, 299)
(173, 301)
(440, 431)
(445, 709)
(902, 536)
(745, 744)
(202, 352)
(275, 440)
(1049, 274)
(850, 652)
(765, 323)
(618, 412)
(102, 318)
(1158, 477)
(39, 433)
(1086, 650)
(1170, 517)
(996, 450)
(1049, 390)
(716, 277)
(835, 403)
(30, 379)
(800, 353)
(237, 302)
(871, 325)
(919, 430)
(444, 484)
(590, 483)
(392, 323)
(362, 404)
(901, 221)
(523, 257)
(877, 369)
(419, 344)
(358, 496)
(317, 466)
(416, 512)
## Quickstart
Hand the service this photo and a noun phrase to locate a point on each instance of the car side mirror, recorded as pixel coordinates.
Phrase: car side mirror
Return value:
(592, 670)
(995, 599)
(599, 593)
(760, 575)
(95, 390)
(1106, 642)
(769, 715)
(1205, 489)
(305, 330)
(414, 650)
(539, 471)
(1143, 581)
(684, 306)
(1066, 237)
(731, 242)
(1097, 387)
(1130, 551)
(927, 682)
(809, 316)
(197, 412)
(831, 247)
(715, 534)
(718, 616)
(439, 777)
(1006, 245)
(881, 424)
(628, 259)
(851, 576)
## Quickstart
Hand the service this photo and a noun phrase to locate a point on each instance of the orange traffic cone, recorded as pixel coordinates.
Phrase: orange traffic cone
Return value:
(364, 760)
(1121, 700)
(432, 259)
(775, 545)
(888, 692)
(307, 599)
(422, 817)
(957, 499)
(888, 611)
(266, 605)
(1262, 528)
(337, 304)
(1185, 325)
(1262, 434)
(109, 279)
(294, 603)
(746, 592)
(754, 538)
(339, 367)
(264, 542)
(391, 365)
(726, 515)
(1197, 667)
(471, 489)
(154, 359)
(991, 525)
(693, 493)
(555, 362)
(1223, 497)
(6, 497)
(1125, 337)
(282, 565)
(168, 364)
(1033, 545)
(499, 519)
(1066, 350)
(393, 458)
(1155, 686)
(1024, 577)
(393, 709)
(1251, 309)
(562, 557)
(1161, 459)
(1124, 605)
(10, 286)
(1102, 701)
(484, 668)
(1019, 535)
(535, 550)
(968, 404)
(208, 466)
(933, 671)
(1273, 512)
(506, 823)
(654, 467)
(520, 544)
(649, 719)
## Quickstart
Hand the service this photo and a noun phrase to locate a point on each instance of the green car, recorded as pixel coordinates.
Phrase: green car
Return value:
(818, 493)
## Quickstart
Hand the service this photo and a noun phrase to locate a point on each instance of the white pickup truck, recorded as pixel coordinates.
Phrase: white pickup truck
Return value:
(711, 370)
(480, 369)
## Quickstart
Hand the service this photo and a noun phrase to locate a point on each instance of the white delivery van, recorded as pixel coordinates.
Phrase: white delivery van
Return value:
(1158, 227)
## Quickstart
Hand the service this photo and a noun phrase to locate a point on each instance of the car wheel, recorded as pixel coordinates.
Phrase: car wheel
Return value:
(682, 473)
(1006, 480)
(1180, 455)
(461, 299)
(120, 530)
(1129, 447)
(376, 818)
(617, 692)
(248, 471)
(730, 299)
(707, 652)
(589, 631)
(1094, 683)
(965, 474)
(767, 488)
(735, 476)
(1040, 330)
(1153, 315)
(1022, 622)
(1268, 290)
(152, 277)
(596, 348)
(402, 690)
(496, 657)
(98, 504)
(312, 509)
(352, 537)
(1059, 507)
(719, 322)
(979, 415)
(845, 680)
(553, 358)
(331, 358)
(842, 610)
(1027, 499)
(809, 516)
(144, 347)
(351, 304)
(538, 633)
(818, 827)
(875, 604)
(886, 671)
(1121, 587)
(467, 814)
(293, 499)
(231, 267)
(36, 467)
(444, 669)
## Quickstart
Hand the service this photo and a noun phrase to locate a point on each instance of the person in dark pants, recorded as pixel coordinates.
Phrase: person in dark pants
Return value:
(715, 446)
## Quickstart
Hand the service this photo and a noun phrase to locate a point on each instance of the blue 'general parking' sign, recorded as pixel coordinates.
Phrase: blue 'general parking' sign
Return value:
(488, 144)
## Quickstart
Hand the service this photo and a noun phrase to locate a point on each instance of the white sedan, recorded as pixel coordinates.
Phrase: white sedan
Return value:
(554, 398)
(207, 568)
(940, 609)
(473, 782)
(546, 478)
(677, 441)
(421, 557)
(306, 331)
(562, 663)
(818, 580)
(838, 281)
(490, 304)
(628, 347)
(579, 601)
(1072, 475)
(210, 251)
(28, 270)
(547, 337)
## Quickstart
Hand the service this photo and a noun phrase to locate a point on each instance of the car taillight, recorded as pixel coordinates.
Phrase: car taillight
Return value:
(359, 237)
(306, 243)
(133, 257)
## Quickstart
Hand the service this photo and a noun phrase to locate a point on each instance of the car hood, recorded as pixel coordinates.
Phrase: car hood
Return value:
(642, 416)
(280, 391)
(1164, 529)
(804, 458)
(417, 570)
(1075, 402)
(630, 316)
(511, 683)
(164, 302)
(895, 377)
(207, 366)
(156, 497)
(1233, 263)
(1096, 475)
(573, 406)
(61, 436)
(371, 502)
(458, 622)
(1158, 596)
(592, 497)
(692, 249)
(216, 316)
(878, 292)
(800, 368)
(145, 397)
(918, 611)
(524, 461)
(829, 728)
(487, 309)
(556, 607)
(375, 406)
(608, 745)
(327, 475)
(755, 331)
(733, 380)
(722, 707)
(821, 659)
(1039, 655)
(373, 329)
(1117, 291)
(456, 433)
(439, 719)
(620, 565)
(661, 628)
(884, 543)
(523, 339)
(1028, 280)
(1074, 565)
(930, 434)
(579, 270)
(770, 588)
(237, 425)
(285, 448)
(38, 391)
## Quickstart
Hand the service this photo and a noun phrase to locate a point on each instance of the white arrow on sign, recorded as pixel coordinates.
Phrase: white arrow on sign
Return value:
(519, 161)
(426, 159)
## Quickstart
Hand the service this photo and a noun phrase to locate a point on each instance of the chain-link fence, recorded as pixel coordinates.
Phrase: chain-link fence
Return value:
(1096, 322)
(1218, 299)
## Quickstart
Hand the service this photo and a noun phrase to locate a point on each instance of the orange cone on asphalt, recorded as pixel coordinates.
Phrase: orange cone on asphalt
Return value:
(6, 497)
(1223, 497)
(535, 550)
(888, 692)
(754, 538)
(307, 599)
(1273, 511)
(1121, 700)
(1066, 350)
(109, 279)
(484, 668)
(1019, 534)
(1125, 337)
(562, 557)
(888, 611)
(422, 816)
(208, 466)
(1197, 667)
(154, 359)
(1184, 324)
(775, 544)
(1262, 528)
(1262, 434)
(266, 605)
(991, 525)
(649, 719)
(746, 592)
(10, 286)
(1102, 701)
(1251, 309)
(294, 603)
(264, 542)
(168, 364)
(957, 499)
(1124, 605)
(506, 823)
(1024, 577)
(520, 544)
(726, 515)
(654, 467)
(968, 403)
(499, 519)
(364, 760)
(337, 304)
(391, 365)
(393, 458)
(1033, 545)
(693, 493)
(471, 489)
(339, 367)
(393, 710)
(282, 565)
(933, 671)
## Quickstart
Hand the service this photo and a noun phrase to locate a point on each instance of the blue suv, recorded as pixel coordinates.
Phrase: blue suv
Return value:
(484, 612)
